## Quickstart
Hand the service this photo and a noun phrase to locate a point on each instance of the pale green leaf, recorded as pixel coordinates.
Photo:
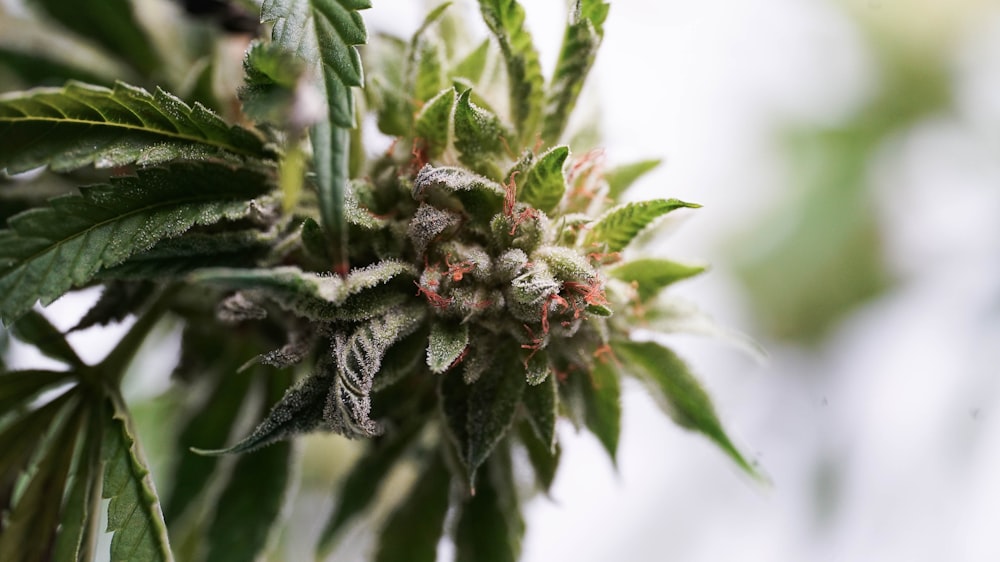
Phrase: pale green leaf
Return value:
(650, 276)
(545, 183)
(433, 125)
(414, 528)
(505, 18)
(579, 48)
(366, 292)
(480, 137)
(134, 514)
(620, 178)
(49, 250)
(79, 124)
(446, 344)
(250, 505)
(677, 391)
(619, 226)
(472, 66)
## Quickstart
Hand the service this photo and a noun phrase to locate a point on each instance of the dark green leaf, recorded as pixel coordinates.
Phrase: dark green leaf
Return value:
(579, 48)
(251, 503)
(602, 404)
(362, 483)
(414, 529)
(30, 531)
(622, 177)
(79, 124)
(620, 225)
(446, 344)
(270, 91)
(35, 329)
(545, 183)
(490, 525)
(210, 424)
(17, 388)
(541, 404)
(650, 276)
(481, 197)
(433, 126)
(505, 18)
(544, 459)
(111, 23)
(480, 137)
(78, 530)
(677, 391)
(118, 300)
(48, 250)
(365, 293)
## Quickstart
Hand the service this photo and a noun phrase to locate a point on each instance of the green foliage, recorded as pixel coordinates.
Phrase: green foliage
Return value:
(446, 301)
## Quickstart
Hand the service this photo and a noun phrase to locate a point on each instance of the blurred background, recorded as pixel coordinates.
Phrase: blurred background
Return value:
(846, 154)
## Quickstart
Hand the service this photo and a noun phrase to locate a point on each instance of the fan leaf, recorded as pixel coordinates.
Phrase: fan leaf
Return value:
(79, 124)
(620, 225)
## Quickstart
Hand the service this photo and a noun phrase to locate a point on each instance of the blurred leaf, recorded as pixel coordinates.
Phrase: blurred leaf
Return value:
(414, 528)
(652, 275)
(621, 178)
(79, 124)
(677, 392)
(620, 225)
(602, 404)
(118, 300)
(490, 525)
(542, 409)
(78, 529)
(33, 328)
(134, 510)
(48, 250)
(544, 459)
(472, 66)
(251, 503)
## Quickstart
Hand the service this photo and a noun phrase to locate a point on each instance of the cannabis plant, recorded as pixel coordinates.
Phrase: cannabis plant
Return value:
(446, 298)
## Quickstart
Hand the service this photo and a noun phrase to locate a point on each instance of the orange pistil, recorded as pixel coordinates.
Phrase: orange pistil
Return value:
(458, 270)
(433, 298)
(604, 352)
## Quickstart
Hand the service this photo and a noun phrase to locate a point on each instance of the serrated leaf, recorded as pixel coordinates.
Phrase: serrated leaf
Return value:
(111, 23)
(433, 125)
(118, 299)
(651, 275)
(35, 329)
(505, 18)
(446, 344)
(677, 391)
(482, 198)
(620, 178)
(30, 530)
(366, 292)
(580, 43)
(77, 536)
(414, 528)
(480, 137)
(134, 510)
(211, 423)
(49, 250)
(364, 479)
(544, 459)
(250, 505)
(541, 406)
(545, 183)
(272, 91)
(619, 226)
(79, 124)
(490, 525)
(602, 408)
(19, 387)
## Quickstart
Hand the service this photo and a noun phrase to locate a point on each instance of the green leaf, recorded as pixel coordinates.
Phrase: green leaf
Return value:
(78, 530)
(602, 407)
(271, 91)
(622, 177)
(30, 532)
(579, 48)
(112, 24)
(427, 68)
(480, 137)
(211, 423)
(472, 66)
(134, 511)
(677, 392)
(481, 197)
(505, 18)
(545, 183)
(544, 459)
(365, 293)
(650, 276)
(446, 344)
(414, 529)
(35, 329)
(541, 406)
(19, 387)
(490, 525)
(362, 483)
(79, 124)
(251, 503)
(620, 225)
(118, 300)
(433, 126)
(49, 250)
